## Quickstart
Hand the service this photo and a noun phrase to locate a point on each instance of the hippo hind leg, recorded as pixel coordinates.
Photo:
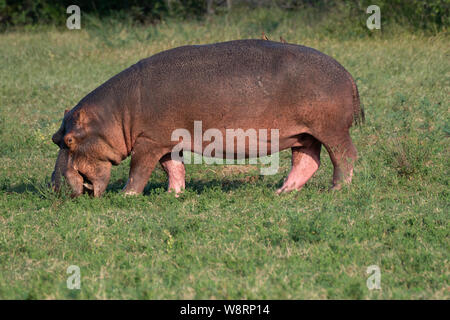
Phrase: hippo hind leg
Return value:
(305, 162)
(176, 173)
(343, 156)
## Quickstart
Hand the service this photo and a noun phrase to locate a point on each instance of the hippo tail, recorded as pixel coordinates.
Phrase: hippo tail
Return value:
(358, 111)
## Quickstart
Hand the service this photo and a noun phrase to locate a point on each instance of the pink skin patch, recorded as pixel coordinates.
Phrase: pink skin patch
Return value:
(305, 162)
(176, 173)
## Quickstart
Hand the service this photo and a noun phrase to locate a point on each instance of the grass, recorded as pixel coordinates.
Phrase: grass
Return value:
(229, 236)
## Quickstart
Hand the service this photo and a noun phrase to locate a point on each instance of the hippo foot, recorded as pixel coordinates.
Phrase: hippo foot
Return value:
(131, 193)
(289, 188)
(342, 180)
(176, 189)
(177, 193)
(336, 187)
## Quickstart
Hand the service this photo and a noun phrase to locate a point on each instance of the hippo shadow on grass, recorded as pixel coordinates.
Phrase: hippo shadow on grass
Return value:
(225, 185)
(118, 185)
(199, 186)
(20, 188)
(196, 185)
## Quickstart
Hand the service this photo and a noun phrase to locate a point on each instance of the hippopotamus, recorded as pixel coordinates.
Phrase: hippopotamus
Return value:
(304, 94)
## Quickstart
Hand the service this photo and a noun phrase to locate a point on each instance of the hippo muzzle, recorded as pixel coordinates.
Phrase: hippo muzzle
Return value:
(78, 182)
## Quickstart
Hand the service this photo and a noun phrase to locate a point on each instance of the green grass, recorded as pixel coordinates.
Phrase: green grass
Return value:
(229, 236)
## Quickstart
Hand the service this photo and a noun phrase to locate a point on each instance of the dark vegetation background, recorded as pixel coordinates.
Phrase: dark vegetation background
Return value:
(429, 15)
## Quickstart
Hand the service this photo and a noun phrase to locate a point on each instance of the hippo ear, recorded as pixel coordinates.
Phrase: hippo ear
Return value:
(82, 118)
(66, 111)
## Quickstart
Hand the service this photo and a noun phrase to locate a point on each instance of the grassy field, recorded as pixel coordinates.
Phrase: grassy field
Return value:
(229, 236)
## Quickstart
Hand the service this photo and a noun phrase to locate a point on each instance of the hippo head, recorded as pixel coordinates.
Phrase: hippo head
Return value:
(83, 154)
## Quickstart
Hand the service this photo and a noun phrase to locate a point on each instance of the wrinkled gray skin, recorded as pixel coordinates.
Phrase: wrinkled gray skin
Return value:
(248, 84)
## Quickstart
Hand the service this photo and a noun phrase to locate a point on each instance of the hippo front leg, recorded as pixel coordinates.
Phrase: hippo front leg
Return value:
(176, 173)
(144, 158)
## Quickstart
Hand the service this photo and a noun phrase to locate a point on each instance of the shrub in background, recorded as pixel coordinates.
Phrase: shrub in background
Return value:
(432, 15)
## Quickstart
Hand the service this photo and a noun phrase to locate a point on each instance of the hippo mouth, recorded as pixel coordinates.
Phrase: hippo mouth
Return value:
(87, 184)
